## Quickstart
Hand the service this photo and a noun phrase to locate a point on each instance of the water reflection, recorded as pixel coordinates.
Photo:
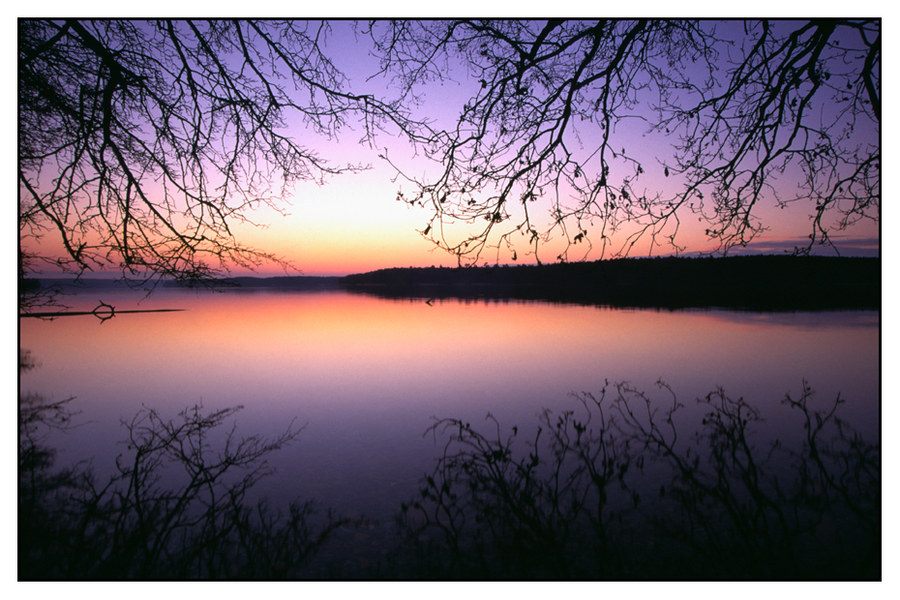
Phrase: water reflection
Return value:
(366, 376)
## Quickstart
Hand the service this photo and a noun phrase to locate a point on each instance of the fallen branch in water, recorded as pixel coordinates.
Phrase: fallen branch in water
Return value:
(102, 311)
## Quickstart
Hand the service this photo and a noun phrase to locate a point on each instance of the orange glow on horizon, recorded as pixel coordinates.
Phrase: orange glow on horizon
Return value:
(354, 224)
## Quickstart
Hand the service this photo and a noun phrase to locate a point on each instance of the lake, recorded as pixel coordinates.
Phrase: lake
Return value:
(366, 376)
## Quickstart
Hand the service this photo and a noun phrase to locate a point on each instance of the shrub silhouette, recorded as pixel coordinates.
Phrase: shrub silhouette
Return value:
(624, 485)
(175, 507)
(612, 491)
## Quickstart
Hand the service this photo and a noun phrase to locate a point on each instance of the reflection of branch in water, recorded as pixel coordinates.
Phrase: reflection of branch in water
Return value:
(102, 311)
(612, 491)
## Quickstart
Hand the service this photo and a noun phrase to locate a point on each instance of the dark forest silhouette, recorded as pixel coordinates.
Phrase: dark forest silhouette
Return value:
(741, 282)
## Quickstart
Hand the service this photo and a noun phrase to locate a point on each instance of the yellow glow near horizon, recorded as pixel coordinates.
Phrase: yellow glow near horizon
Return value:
(354, 224)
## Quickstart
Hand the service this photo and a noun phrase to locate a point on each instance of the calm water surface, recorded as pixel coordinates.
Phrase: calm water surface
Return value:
(367, 375)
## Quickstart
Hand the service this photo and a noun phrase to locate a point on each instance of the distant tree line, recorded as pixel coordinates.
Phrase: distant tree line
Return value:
(748, 282)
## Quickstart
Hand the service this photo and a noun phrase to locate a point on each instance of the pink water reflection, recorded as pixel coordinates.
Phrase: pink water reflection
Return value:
(367, 374)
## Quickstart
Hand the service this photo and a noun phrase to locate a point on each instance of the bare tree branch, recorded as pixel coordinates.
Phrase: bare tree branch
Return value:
(142, 143)
(747, 110)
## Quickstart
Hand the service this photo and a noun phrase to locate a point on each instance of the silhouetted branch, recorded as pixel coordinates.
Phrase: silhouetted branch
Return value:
(747, 109)
(174, 509)
(143, 142)
(619, 489)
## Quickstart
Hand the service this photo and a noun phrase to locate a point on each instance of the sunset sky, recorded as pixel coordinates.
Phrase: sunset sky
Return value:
(353, 223)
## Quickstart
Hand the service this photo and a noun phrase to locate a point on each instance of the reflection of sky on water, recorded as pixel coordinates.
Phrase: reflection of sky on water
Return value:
(801, 320)
(366, 375)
